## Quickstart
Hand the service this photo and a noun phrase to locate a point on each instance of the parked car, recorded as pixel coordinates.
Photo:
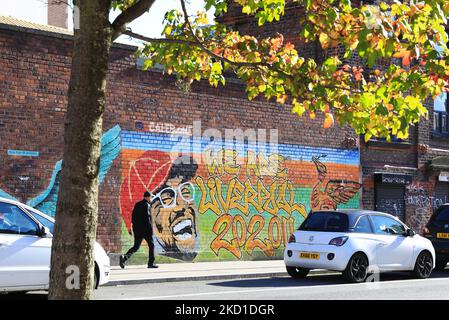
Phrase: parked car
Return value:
(25, 249)
(357, 242)
(437, 231)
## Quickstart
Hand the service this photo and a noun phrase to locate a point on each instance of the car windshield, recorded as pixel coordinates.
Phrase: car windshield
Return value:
(326, 221)
(442, 215)
(47, 223)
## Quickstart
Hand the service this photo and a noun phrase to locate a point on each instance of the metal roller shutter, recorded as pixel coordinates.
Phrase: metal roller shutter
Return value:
(390, 199)
(441, 194)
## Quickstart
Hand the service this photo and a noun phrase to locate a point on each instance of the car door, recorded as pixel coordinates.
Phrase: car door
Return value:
(24, 255)
(394, 248)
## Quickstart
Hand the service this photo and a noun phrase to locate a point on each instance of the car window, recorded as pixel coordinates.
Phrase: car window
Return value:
(47, 223)
(363, 225)
(326, 221)
(14, 220)
(386, 225)
(442, 215)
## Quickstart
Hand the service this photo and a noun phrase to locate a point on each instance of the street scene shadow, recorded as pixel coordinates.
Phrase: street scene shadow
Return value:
(316, 280)
(41, 295)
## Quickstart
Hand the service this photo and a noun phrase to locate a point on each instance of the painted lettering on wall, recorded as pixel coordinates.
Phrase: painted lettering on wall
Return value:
(228, 203)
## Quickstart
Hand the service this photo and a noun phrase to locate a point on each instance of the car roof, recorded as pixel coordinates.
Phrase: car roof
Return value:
(11, 201)
(354, 213)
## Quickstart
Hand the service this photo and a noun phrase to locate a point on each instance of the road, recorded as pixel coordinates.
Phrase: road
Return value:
(325, 287)
(332, 287)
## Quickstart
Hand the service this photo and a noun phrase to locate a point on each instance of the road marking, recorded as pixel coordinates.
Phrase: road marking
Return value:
(364, 285)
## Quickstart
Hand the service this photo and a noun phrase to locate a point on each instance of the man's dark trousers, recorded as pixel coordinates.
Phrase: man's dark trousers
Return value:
(138, 237)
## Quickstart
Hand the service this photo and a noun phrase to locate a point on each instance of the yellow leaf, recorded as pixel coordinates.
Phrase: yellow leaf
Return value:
(328, 121)
(324, 40)
(246, 9)
(298, 108)
(354, 44)
(281, 99)
(401, 53)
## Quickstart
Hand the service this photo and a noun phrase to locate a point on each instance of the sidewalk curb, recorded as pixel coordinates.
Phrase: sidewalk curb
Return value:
(114, 283)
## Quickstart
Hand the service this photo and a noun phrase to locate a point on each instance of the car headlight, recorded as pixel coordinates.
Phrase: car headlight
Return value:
(339, 241)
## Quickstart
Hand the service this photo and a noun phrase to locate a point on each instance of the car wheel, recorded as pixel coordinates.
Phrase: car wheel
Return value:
(357, 269)
(96, 276)
(298, 273)
(440, 265)
(423, 265)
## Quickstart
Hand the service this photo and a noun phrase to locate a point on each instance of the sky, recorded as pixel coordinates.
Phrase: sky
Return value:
(149, 24)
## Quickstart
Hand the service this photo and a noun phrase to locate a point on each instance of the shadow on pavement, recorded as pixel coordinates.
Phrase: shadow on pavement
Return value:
(24, 296)
(315, 280)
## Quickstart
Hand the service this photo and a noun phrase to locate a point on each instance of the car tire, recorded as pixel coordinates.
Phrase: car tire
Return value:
(96, 276)
(297, 273)
(357, 269)
(440, 265)
(423, 265)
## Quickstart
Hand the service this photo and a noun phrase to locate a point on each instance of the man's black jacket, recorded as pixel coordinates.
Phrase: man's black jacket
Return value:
(140, 218)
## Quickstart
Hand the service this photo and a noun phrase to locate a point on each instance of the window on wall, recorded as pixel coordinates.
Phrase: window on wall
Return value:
(440, 115)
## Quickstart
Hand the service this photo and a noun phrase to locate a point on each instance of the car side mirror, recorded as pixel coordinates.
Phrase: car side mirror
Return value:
(44, 232)
(409, 233)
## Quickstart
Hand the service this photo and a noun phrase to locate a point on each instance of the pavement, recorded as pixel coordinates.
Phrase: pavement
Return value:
(391, 286)
(173, 272)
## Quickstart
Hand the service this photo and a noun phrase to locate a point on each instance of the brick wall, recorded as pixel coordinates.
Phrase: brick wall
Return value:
(258, 201)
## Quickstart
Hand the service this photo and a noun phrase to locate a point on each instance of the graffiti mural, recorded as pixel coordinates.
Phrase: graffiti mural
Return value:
(220, 200)
(254, 202)
(173, 208)
(227, 202)
(328, 195)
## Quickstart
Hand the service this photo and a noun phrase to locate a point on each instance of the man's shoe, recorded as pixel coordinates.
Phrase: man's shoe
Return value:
(153, 266)
(122, 262)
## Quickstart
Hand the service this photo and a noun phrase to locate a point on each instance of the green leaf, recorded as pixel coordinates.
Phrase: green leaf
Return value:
(367, 99)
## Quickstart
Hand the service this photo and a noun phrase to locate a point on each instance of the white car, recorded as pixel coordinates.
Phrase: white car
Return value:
(357, 243)
(25, 249)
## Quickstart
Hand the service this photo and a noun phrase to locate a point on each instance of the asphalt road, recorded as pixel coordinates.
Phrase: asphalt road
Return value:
(325, 287)
(333, 287)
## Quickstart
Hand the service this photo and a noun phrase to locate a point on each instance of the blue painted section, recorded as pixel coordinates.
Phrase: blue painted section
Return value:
(23, 153)
(3, 194)
(167, 142)
(110, 148)
(40, 198)
(46, 201)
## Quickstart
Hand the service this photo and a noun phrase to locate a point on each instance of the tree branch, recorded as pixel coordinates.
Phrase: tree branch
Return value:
(159, 40)
(216, 56)
(199, 44)
(136, 10)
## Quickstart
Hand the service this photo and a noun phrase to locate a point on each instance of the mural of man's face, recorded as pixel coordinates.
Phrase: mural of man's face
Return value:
(174, 217)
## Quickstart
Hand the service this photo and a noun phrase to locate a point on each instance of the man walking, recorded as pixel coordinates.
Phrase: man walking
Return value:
(142, 229)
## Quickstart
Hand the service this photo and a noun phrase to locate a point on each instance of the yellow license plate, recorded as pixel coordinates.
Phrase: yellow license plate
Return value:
(309, 255)
(443, 235)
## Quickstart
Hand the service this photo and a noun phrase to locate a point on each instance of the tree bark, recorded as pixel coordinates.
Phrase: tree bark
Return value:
(77, 208)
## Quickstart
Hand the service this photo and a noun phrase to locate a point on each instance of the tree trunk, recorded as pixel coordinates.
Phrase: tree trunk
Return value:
(77, 208)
